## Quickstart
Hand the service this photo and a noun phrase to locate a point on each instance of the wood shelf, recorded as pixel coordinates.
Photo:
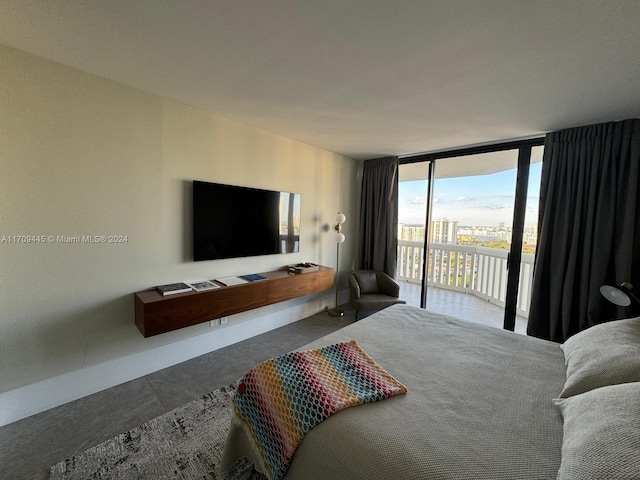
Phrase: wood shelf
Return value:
(156, 314)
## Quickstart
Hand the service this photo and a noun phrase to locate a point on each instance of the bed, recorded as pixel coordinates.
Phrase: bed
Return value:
(480, 405)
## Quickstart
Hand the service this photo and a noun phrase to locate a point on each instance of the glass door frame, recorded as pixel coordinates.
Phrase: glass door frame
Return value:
(522, 182)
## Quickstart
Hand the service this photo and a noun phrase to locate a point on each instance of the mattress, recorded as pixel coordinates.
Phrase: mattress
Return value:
(479, 405)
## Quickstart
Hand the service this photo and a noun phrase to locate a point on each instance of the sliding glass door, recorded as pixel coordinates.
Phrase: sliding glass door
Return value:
(467, 233)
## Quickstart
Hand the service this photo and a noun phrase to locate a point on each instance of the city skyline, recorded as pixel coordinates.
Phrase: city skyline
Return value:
(445, 231)
(482, 200)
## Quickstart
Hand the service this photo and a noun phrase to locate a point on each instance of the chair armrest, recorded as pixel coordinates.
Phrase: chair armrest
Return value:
(388, 285)
(353, 286)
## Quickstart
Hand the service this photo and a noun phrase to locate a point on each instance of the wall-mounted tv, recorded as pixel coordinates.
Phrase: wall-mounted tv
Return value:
(231, 221)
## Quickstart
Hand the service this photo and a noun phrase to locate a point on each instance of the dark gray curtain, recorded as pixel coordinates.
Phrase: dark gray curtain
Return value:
(589, 231)
(379, 215)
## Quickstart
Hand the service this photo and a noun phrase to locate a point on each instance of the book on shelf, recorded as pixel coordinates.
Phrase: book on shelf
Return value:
(173, 288)
(253, 277)
(203, 286)
(230, 281)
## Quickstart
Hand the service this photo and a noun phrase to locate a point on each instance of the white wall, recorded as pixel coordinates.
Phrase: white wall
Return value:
(81, 155)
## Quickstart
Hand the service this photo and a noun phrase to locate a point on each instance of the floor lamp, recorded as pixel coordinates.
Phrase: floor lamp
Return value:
(340, 219)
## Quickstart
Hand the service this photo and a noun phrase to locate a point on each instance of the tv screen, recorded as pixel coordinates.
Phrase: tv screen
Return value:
(231, 221)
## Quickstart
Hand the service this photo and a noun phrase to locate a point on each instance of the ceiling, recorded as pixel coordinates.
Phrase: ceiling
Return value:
(364, 78)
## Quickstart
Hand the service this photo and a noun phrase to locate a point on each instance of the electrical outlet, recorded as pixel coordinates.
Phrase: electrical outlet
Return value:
(214, 323)
(224, 320)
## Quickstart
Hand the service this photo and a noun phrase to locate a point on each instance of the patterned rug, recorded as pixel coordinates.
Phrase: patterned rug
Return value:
(185, 443)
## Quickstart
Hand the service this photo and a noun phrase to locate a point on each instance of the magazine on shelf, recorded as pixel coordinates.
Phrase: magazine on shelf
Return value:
(203, 286)
(173, 288)
(254, 277)
(230, 281)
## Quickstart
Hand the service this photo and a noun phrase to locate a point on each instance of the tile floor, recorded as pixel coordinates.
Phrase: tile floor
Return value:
(30, 446)
(461, 305)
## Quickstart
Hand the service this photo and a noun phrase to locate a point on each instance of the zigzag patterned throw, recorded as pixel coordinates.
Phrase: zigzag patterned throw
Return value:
(282, 399)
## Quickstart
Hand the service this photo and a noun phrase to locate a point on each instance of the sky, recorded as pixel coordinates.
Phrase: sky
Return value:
(484, 200)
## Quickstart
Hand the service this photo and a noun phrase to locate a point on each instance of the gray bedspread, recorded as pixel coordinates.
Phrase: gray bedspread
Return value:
(479, 405)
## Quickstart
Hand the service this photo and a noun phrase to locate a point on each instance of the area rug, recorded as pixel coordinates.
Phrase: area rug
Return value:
(185, 443)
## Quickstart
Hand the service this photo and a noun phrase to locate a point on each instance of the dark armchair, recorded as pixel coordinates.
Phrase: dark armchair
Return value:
(372, 290)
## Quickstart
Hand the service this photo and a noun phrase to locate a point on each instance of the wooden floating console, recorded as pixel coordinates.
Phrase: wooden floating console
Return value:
(157, 314)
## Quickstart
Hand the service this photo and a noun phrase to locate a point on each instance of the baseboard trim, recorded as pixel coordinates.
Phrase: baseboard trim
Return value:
(52, 392)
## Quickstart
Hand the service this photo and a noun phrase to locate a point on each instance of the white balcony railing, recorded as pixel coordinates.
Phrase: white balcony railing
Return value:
(479, 271)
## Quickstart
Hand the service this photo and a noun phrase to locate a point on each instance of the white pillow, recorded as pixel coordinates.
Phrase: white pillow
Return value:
(601, 434)
(605, 354)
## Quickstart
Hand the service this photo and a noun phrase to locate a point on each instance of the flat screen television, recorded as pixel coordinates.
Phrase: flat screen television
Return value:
(231, 221)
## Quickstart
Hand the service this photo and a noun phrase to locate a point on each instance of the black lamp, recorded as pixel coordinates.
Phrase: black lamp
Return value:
(622, 295)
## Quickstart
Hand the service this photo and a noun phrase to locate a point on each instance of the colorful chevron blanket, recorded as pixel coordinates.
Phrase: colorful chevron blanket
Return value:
(282, 399)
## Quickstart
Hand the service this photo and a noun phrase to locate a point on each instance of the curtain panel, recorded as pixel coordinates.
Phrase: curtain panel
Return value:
(379, 215)
(589, 231)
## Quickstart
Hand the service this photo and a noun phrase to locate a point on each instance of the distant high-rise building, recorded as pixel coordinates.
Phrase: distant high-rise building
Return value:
(412, 233)
(444, 231)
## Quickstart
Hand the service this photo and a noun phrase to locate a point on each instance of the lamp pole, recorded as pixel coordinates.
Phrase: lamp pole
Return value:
(340, 219)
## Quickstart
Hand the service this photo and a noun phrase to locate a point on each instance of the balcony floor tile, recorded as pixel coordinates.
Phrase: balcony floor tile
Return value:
(460, 305)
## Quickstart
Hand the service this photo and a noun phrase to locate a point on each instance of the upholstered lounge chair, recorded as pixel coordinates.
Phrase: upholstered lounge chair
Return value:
(372, 290)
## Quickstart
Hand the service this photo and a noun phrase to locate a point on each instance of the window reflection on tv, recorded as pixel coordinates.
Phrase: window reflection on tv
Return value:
(232, 221)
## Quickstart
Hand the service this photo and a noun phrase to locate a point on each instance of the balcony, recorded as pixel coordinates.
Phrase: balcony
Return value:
(464, 281)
